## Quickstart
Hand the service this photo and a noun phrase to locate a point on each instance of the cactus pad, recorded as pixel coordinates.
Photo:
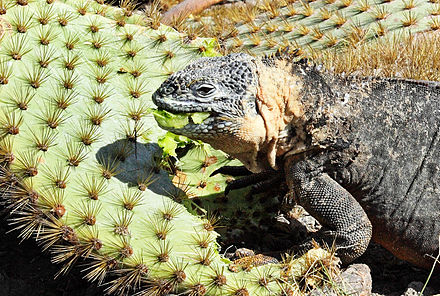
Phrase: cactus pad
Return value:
(270, 25)
(81, 167)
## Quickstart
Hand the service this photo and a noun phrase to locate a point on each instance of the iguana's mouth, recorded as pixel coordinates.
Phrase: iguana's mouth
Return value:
(185, 117)
(177, 120)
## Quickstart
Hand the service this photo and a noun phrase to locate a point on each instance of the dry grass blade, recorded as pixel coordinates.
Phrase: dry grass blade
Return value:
(437, 260)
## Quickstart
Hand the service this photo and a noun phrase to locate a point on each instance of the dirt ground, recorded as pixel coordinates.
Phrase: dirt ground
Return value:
(26, 271)
(392, 276)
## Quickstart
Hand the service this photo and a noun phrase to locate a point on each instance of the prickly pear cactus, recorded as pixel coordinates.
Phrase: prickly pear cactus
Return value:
(241, 212)
(81, 167)
(271, 25)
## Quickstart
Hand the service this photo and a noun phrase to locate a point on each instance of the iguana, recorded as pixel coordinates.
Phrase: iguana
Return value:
(360, 154)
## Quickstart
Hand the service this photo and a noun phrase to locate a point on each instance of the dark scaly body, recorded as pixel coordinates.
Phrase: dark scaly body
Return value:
(350, 147)
(387, 155)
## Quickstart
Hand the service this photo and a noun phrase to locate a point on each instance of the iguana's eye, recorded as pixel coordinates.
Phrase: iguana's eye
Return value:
(167, 90)
(204, 90)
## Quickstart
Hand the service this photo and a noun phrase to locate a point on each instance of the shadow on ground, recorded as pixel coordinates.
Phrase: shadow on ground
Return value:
(26, 271)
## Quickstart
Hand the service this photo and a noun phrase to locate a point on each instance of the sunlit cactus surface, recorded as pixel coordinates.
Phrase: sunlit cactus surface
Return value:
(269, 25)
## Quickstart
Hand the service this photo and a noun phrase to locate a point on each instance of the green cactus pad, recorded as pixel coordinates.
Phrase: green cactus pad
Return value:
(81, 165)
(271, 25)
(167, 119)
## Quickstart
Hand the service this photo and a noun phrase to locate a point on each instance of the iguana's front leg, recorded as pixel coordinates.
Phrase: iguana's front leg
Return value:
(344, 221)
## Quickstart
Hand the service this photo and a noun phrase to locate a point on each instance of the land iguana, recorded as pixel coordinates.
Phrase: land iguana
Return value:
(360, 154)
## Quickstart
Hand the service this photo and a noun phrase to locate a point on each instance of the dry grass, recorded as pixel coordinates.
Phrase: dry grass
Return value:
(437, 261)
(406, 56)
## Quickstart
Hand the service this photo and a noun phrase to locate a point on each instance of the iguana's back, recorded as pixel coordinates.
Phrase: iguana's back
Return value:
(396, 177)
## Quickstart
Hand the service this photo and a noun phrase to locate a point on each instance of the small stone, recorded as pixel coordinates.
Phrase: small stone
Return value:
(414, 289)
(355, 280)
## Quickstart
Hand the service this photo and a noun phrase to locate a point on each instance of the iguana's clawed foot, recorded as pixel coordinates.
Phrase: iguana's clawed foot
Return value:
(260, 182)
(344, 245)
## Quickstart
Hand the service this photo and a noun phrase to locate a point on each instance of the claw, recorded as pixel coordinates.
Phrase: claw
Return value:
(259, 181)
(265, 185)
(232, 171)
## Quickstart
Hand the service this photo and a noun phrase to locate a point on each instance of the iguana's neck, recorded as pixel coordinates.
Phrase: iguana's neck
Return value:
(293, 103)
(304, 109)
(290, 98)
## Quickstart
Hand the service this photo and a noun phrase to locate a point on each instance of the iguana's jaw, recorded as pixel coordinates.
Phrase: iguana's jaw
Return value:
(211, 128)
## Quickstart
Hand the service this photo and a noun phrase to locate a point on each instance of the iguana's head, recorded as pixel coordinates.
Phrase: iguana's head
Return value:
(246, 105)
(224, 86)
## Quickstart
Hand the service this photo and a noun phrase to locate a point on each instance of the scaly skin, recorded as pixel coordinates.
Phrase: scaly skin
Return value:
(359, 154)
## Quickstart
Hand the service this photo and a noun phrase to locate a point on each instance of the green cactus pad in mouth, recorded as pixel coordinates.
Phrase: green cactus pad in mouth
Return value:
(178, 120)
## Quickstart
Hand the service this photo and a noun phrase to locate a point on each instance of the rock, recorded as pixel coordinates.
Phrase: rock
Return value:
(414, 289)
(355, 280)
(299, 214)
